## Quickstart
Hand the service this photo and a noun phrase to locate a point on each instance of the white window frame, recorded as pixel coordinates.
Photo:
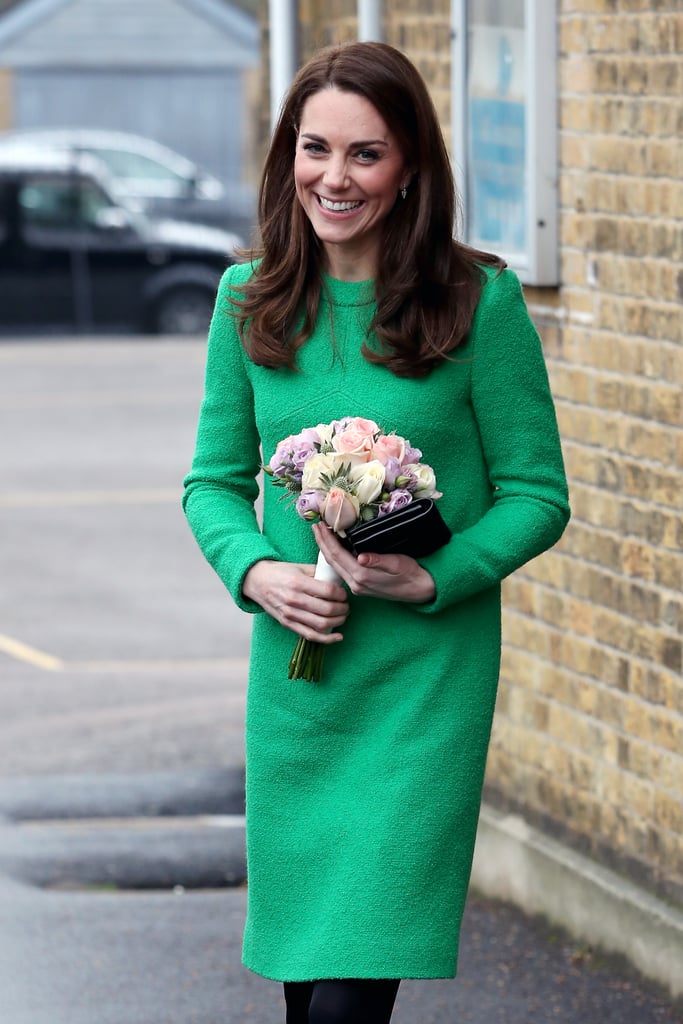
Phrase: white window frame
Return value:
(537, 261)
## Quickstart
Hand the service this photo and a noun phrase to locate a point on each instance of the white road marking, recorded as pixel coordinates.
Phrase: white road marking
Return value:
(31, 655)
(47, 499)
(51, 663)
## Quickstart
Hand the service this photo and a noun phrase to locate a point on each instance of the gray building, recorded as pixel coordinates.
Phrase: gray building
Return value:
(181, 72)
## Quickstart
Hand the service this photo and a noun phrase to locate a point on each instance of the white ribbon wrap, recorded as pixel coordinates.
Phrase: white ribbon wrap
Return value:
(324, 571)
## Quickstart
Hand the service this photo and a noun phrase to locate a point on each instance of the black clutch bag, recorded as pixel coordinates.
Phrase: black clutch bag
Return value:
(417, 530)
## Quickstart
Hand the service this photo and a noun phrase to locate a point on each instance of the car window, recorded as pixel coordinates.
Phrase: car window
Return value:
(126, 164)
(48, 203)
(91, 199)
(52, 208)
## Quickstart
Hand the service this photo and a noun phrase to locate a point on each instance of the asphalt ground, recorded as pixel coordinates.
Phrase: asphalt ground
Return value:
(122, 677)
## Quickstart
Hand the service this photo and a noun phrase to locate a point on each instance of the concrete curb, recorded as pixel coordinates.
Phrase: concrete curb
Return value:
(515, 862)
(128, 853)
(150, 795)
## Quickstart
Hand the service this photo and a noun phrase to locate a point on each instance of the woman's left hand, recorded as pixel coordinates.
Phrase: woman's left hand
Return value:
(393, 577)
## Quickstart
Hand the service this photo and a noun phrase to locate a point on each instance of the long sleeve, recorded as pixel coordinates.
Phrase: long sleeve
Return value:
(221, 487)
(517, 428)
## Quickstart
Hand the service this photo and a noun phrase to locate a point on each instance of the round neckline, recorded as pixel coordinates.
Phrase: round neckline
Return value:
(348, 293)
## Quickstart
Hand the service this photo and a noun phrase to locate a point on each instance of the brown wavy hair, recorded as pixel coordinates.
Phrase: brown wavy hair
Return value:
(427, 285)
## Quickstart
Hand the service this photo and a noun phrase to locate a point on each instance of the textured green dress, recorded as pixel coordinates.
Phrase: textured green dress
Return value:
(363, 790)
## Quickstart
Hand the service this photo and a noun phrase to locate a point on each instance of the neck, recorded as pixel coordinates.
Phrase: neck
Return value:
(345, 265)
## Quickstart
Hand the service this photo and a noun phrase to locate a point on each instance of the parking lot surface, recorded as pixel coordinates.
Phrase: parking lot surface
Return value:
(122, 682)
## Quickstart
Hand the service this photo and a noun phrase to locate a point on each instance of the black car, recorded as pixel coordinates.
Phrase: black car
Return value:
(72, 257)
(148, 176)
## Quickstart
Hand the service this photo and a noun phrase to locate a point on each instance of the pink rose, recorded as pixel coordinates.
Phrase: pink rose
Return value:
(340, 510)
(356, 437)
(388, 446)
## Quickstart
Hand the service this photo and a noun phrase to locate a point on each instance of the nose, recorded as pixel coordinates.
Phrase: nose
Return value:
(336, 176)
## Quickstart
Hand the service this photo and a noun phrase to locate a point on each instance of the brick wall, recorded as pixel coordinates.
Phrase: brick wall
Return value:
(589, 727)
(588, 733)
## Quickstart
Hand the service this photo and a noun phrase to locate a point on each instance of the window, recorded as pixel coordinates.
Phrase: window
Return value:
(61, 209)
(48, 204)
(504, 130)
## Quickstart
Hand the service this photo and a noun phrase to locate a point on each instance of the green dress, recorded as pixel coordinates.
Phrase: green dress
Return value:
(363, 790)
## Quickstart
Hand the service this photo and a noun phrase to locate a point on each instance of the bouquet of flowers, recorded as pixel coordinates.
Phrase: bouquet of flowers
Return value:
(344, 473)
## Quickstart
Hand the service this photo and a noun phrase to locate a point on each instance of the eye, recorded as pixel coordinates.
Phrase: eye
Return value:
(367, 156)
(313, 148)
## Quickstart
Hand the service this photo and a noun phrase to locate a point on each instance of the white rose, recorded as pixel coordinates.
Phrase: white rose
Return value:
(328, 465)
(367, 480)
(324, 431)
(426, 480)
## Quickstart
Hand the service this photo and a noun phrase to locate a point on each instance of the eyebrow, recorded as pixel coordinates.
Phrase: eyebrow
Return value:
(360, 144)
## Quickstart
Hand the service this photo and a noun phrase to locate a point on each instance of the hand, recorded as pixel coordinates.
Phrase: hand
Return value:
(288, 592)
(393, 577)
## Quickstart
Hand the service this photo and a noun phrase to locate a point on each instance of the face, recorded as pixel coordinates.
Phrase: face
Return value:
(348, 170)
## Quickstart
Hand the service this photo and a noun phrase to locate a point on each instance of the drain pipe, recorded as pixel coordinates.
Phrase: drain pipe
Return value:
(370, 20)
(284, 51)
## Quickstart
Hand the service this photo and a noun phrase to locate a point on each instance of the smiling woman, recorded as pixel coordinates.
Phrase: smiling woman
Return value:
(348, 180)
(363, 788)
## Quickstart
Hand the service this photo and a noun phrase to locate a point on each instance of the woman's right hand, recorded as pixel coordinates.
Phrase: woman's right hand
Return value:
(288, 592)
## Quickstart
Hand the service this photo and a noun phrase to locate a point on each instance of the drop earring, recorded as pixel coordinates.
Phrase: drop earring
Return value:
(404, 191)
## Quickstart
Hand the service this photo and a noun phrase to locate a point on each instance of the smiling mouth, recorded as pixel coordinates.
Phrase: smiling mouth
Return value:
(334, 207)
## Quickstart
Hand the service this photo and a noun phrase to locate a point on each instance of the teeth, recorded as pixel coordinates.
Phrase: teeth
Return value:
(327, 204)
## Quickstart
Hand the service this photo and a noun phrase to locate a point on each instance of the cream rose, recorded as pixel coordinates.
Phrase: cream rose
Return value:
(426, 480)
(324, 431)
(329, 465)
(367, 480)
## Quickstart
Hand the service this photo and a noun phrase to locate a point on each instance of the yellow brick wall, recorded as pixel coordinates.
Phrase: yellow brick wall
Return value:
(421, 28)
(588, 737)
(588, 733)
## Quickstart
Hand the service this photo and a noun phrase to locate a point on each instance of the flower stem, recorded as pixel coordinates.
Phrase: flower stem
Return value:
(306, 661)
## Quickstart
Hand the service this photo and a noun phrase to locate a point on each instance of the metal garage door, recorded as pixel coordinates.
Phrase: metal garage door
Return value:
(198, 113)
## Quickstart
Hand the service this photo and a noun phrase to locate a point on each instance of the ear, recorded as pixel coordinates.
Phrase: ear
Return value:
(409, 177)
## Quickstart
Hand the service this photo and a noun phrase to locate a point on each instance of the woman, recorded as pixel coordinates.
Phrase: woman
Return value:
(363, 790)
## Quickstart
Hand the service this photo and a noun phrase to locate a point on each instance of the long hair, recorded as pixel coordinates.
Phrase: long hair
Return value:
(427, 284)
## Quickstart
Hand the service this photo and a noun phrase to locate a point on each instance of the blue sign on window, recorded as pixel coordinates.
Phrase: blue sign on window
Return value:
(497, 195)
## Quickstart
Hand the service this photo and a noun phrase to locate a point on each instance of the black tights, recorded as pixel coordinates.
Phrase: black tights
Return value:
(345, 1001)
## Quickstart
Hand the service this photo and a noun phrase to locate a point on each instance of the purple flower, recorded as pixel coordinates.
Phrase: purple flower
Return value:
(411, 455)
(397, 499)
(308, 504)
(406, 480)
(339, 425)
(309, 437)
(301, 450)
(280, 463)
(392, 469)
(291, 453)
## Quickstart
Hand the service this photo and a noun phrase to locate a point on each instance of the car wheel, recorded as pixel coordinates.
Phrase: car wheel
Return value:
(185, 310)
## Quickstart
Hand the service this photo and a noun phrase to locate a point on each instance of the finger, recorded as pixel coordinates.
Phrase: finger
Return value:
(319, 589)
(334, 551)
(313, 604)
(321, 628)
(391, 564)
